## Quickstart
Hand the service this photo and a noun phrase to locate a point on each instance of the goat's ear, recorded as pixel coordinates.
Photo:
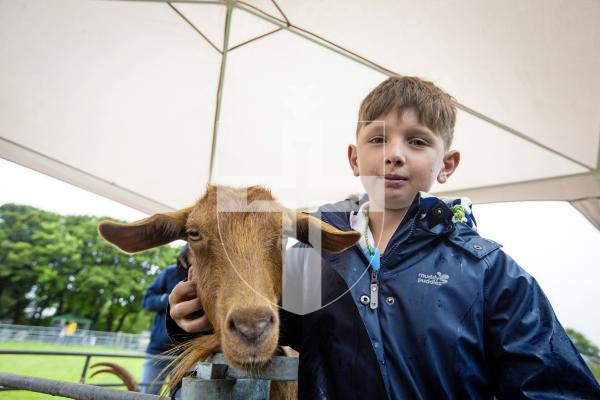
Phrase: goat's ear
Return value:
(332, 239)
(151, 232)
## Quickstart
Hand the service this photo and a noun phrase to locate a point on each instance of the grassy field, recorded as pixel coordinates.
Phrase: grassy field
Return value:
(59, 367)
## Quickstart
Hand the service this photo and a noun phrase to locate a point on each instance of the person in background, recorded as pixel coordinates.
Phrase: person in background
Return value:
(156, 299)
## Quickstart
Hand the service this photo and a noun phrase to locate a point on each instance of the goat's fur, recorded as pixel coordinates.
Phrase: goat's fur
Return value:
(251, 241)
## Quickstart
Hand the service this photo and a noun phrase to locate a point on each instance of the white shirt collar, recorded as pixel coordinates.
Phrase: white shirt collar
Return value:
(358, 222)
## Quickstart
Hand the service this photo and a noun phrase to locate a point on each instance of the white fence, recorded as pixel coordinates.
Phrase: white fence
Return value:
(43, 334)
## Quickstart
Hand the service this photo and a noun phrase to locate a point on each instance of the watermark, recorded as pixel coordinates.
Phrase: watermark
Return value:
(295, 160)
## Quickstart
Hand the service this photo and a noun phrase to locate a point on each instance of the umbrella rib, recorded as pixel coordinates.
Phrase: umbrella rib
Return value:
(194, 27)
(281, 12)
(222, 2)
(310, 36)
(256, 38)
(82, 172)
(598, 156)
(518, 134)
(213, 149)
(258, 10)
(457, 192)
(370, 64)
(584, 198)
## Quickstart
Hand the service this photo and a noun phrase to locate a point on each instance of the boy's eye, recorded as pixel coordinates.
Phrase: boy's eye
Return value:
(377, 140)
(418, 142)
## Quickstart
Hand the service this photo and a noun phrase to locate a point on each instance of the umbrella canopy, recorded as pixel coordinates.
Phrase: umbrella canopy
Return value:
(145, 102)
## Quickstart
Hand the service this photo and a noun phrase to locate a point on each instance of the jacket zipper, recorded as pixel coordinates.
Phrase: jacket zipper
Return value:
(374, 290)
(375, 267)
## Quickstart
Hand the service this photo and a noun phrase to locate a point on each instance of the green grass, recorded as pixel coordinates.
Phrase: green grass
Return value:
(61, 368)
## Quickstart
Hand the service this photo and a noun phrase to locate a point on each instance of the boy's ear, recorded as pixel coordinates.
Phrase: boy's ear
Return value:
(352, 158)
(331, 238)
(449, 165)
(147, 233)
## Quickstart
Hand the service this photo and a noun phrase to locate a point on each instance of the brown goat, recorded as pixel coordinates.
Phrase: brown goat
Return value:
(240, 302)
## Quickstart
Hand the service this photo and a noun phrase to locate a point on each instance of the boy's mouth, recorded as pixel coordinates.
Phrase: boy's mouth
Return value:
(393, 180)
(395, 177)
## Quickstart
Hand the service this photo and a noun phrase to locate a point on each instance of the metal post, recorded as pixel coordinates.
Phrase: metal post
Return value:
(215, 379)
(68, 389)
(85, 368)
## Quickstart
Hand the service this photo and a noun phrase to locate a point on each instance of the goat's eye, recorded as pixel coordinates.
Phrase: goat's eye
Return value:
(193, 234)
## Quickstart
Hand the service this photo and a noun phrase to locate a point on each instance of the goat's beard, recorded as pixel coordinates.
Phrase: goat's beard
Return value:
(189, 353)
(200, 348)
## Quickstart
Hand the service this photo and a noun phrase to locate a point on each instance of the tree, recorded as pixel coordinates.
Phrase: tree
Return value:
(20, 261)
(54, 262)
(583, 345)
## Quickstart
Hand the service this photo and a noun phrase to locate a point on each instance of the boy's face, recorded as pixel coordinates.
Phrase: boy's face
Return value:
(399, 157)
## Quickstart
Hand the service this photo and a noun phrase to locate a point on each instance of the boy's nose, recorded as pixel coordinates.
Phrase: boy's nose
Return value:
(394, 156)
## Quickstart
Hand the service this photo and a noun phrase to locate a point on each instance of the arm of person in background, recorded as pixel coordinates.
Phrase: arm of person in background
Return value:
(156, 298)
(530, 354)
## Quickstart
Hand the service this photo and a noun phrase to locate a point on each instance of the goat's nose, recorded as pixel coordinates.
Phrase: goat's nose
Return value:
(251, 324)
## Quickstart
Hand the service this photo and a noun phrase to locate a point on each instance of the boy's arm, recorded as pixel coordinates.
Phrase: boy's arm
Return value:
(530, 354)
(156, 297)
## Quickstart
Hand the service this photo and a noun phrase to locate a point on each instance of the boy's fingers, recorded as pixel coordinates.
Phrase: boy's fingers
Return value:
(182, 291)
(190, 274)
(194, 325)
(183, 301)
(185, 308)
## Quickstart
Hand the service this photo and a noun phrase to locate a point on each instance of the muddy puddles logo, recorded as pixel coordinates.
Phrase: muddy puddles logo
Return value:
(438, 279)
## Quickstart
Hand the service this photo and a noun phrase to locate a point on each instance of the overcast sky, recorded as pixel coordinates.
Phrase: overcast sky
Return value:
(551, 240)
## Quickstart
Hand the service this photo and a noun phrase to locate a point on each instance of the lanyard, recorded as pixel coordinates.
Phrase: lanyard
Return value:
(374, 258)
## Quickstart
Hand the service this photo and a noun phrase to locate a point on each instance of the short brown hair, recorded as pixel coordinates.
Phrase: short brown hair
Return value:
(434, 107)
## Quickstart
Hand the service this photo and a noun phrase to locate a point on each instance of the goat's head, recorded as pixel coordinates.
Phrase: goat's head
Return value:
(237, 260)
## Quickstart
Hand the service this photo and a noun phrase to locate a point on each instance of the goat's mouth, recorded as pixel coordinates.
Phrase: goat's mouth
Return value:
(255, 362)
(250, 358)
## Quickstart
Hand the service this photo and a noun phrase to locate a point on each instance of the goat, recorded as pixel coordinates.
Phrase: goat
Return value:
(240, 301)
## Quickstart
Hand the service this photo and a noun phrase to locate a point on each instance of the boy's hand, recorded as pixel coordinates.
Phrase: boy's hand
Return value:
(183, 302)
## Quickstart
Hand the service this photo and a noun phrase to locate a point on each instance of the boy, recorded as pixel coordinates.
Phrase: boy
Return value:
(441, 312)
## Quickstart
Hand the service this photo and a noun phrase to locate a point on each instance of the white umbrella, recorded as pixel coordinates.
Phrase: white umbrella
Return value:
(122, 98)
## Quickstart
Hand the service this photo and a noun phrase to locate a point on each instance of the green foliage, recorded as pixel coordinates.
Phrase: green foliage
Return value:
(50, 261)
(583, 344)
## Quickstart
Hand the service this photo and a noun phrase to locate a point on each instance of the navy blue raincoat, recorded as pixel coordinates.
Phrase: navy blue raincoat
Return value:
(457, 318)
(156, 299)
